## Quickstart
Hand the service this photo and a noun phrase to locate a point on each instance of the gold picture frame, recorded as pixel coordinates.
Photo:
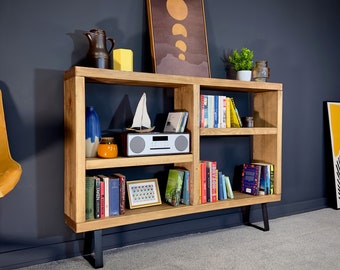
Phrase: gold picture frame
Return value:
(143, 193)
(178, 37)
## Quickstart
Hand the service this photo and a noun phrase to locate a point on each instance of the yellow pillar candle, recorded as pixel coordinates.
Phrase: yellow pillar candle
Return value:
(123, 59)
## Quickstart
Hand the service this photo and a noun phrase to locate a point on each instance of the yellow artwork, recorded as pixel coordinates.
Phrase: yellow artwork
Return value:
(334, 111)
(334, 125)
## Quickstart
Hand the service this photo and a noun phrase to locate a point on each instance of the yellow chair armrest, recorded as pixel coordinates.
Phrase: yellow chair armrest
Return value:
(10, 173)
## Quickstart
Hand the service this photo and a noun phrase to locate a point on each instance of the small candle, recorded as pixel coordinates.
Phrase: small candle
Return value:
(123, 59)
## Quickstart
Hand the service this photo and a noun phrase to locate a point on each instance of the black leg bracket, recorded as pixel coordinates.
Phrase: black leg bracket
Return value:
(246, 217)
(93, 248)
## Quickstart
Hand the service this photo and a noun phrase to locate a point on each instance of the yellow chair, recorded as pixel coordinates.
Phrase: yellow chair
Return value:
(10, 170)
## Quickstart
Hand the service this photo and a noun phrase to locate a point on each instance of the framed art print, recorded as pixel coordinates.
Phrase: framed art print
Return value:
(142, 193)
(333, 109)
(178, 37)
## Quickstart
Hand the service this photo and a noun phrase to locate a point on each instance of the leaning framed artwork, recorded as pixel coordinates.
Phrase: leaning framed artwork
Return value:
(333, 113)
(142, 193)
(178, 37)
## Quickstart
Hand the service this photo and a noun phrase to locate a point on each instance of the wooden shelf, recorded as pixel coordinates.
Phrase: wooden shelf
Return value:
(160, 80)
(100, 163)
(168, 211)
(237, 131)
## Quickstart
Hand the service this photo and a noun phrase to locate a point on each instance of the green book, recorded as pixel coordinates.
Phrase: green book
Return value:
(229, 188)
(174, 187)
(89, 206)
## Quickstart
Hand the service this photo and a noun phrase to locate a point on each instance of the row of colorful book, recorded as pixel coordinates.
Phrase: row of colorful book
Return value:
(219, 112)
(215, 185)
(178, 187)
(257, 178)
(105, 196)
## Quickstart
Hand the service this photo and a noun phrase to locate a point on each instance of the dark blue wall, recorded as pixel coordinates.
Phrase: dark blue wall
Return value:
(41, 39)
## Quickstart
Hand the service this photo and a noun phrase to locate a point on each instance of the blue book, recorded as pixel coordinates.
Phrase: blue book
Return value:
(224, 187)
(220, 186)
(216, 109)
(264, 177)
(185, 190)
(265, 171)
(114, 196)
(251, 179)
(184, 121)
(206, 111)
(268, 175)
(262, 189)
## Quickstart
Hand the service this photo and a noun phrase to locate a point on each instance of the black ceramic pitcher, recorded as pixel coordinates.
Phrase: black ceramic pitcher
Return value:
(98, 54)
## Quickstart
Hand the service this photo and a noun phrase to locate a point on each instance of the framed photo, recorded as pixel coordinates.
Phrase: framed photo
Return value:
(178, 37)
(143, 193)
(333, 110)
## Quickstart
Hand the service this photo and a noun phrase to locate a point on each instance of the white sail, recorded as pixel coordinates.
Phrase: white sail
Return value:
(141, 120)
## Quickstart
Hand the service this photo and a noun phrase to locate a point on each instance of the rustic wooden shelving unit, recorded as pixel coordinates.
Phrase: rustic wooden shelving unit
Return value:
(266, 144)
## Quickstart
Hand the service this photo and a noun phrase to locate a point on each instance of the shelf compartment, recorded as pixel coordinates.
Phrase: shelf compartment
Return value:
(119, 162)
(168, 211)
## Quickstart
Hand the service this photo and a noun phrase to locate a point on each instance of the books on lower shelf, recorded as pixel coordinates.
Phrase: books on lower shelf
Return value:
(218, 112)
(266, 178)
(177, 187)
(215, 185)
(257, 178)
(105, 196)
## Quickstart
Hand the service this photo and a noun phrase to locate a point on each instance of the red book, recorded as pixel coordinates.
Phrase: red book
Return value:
(122, 192)
(106, 186)
(213, 181)
(203, 182)
(102, 199)
(202, 111)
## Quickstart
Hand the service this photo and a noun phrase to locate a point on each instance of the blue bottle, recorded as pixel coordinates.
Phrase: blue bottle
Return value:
(93, 132)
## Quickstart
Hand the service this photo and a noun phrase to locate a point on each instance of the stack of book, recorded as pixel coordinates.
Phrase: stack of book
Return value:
(215, 185)
(258, 178)
(105, 196)
(219, 112)
(176, 121)
(177, 188)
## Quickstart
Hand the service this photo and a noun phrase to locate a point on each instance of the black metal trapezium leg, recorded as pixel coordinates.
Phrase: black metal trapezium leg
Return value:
(246, 217)
(93, 249)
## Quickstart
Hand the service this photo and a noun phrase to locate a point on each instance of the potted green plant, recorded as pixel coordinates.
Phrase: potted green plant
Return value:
(242, 62)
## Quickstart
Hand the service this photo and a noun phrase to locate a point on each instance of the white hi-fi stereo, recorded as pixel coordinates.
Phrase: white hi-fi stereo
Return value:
(145, 144)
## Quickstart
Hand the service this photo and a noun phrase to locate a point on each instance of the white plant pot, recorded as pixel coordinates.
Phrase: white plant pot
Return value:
(243, 75)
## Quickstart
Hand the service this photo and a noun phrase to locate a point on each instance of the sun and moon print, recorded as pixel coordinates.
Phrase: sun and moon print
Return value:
(178, 33)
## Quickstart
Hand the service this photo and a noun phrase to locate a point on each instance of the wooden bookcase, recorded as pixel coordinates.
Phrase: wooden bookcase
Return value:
(266, 141)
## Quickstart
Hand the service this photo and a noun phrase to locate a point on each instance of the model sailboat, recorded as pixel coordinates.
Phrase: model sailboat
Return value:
(141, 120)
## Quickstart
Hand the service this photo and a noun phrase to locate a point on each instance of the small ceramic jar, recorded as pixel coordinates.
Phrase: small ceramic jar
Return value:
(107, 148)
(248, 121)
(261, 71)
